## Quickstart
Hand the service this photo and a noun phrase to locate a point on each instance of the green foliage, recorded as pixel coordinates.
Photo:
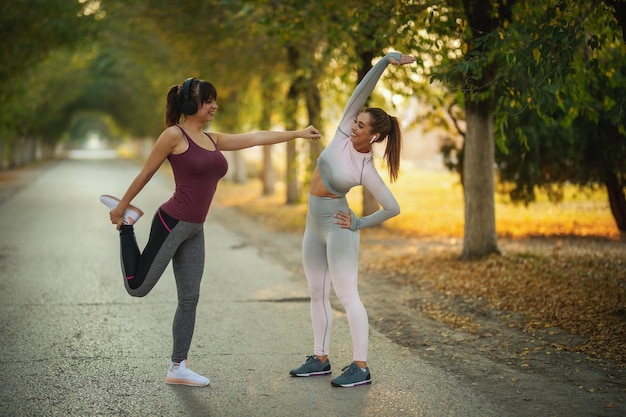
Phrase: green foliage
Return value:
(32, 32)
(552, 156)
(31, 29)
(553, 56)
(562, 116)
(546, 158)
(119, 55)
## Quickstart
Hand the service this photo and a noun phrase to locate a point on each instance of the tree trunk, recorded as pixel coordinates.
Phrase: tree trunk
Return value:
(370, 205)
(295, 91)
(617, 201)
(615, 187)
(240, 171)
(268, 177)
(479, 238)
(293, 187)
(619, 11)
(314, 110)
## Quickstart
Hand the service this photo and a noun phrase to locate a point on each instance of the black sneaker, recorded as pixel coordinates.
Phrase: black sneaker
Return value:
(312, 367)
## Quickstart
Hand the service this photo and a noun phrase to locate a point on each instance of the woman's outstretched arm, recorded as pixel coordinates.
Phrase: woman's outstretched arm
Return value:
(233, 142)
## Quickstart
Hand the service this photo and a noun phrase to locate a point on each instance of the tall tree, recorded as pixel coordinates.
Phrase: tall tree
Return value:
(455, 55)
(502, 41)
(479, 236)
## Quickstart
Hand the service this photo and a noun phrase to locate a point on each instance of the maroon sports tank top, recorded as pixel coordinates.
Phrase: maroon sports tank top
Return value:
(196, 174)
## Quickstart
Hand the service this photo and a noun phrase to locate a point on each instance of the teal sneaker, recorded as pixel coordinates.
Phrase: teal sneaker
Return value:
(352, 376)
(312, 367)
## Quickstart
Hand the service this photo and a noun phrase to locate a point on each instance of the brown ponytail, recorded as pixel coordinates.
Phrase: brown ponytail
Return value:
(388, 127)
(173, 112)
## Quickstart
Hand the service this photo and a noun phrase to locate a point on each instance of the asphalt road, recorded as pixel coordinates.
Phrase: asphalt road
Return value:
(75, 344)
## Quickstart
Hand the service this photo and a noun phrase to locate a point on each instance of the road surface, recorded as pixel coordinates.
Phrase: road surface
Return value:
(75, 344)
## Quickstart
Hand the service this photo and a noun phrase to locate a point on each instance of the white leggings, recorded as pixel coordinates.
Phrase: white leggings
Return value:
(330, 254)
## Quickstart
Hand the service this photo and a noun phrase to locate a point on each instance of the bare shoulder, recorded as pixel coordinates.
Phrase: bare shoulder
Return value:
(171, 132)
(171, 140)
(171, 135)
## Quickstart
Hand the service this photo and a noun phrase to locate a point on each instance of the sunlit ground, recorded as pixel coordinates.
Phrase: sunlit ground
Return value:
(432, 205)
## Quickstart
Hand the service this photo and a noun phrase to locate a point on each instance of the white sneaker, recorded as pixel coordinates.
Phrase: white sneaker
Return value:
(180, 374)
(131, 214)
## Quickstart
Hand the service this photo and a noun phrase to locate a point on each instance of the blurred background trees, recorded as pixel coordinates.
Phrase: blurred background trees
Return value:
(534, 89)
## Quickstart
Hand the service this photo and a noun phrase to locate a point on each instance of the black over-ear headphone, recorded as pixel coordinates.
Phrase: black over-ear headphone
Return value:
(189, 106)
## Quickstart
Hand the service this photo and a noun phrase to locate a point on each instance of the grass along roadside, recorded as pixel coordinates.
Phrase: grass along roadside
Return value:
(432, 205)
(579, 286)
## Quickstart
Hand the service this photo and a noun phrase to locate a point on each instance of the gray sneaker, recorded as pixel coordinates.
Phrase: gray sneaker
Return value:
(312, 367)
(352, 376)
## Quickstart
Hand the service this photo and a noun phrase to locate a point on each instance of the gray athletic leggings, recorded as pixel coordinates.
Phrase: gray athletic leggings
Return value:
(183, 244)
(330, 255)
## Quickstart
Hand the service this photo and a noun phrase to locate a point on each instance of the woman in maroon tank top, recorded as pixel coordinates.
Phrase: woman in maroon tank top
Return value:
(177, 233)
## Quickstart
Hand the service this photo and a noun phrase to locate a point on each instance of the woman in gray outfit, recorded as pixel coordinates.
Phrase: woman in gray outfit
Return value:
(330, 248)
